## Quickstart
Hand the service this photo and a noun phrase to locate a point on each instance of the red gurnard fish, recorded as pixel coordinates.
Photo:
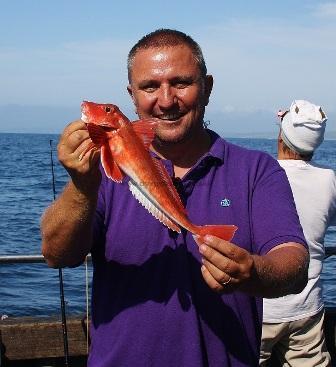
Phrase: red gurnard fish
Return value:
(124, 149)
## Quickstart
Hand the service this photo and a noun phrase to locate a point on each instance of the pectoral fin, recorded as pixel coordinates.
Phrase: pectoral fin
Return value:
(111, 168)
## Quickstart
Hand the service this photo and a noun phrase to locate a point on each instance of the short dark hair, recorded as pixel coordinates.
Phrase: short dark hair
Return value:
(305, 157)
(165, 38)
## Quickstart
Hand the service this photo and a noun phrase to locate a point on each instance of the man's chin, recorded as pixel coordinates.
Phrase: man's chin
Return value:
(171, 137)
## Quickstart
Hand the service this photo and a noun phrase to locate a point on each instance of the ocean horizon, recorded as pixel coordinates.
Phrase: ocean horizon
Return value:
(329, 136)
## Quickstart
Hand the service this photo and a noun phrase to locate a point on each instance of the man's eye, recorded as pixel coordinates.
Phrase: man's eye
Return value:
(149, 89)
(181, 84)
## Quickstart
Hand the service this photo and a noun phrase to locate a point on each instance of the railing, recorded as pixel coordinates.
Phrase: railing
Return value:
(31, 259)
(19, 259)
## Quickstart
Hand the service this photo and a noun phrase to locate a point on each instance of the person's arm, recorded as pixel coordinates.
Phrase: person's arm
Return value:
(66, 225)
(282, 271)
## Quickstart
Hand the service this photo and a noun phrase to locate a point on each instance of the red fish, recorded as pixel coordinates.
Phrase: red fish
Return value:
(124, 149)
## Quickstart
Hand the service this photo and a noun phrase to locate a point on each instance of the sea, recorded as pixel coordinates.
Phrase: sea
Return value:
(26, 189)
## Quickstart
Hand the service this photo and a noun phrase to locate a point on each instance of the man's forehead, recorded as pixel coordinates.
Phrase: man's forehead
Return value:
(164, 52)
(159, 59)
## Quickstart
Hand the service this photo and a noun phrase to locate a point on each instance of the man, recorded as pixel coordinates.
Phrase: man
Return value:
(293, 325)
(158, 299)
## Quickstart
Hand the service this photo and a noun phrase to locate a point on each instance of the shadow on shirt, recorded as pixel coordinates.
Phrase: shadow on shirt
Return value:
(173, 277)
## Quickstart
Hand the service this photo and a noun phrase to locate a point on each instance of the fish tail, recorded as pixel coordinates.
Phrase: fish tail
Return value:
(223, 231)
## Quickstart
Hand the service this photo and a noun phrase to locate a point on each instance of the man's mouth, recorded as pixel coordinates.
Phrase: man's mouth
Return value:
(170, 117)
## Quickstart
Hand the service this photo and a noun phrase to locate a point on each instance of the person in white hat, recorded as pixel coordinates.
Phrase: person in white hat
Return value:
(293, 325)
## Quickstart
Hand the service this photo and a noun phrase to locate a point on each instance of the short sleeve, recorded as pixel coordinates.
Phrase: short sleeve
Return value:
(274, 216)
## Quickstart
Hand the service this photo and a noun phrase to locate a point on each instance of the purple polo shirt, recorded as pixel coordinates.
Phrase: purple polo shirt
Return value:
(150, 304)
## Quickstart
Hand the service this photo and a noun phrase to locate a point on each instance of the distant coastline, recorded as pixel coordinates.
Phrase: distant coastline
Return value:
(329, 135)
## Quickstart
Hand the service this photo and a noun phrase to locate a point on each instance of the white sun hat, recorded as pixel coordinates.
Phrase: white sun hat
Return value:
(303, 126)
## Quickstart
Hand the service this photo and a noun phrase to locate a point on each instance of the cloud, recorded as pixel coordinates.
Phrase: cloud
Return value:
(266, 64)
(326, 10)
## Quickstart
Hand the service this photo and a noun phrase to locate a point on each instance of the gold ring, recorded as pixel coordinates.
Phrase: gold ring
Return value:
(226, 282)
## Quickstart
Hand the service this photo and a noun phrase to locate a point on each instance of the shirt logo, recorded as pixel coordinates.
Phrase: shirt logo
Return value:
(225, 202)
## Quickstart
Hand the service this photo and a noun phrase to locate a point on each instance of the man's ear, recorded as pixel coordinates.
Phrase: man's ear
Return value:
(130, 92)
(208, 88)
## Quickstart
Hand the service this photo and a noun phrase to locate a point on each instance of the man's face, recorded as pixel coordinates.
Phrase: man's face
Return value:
(166, 84)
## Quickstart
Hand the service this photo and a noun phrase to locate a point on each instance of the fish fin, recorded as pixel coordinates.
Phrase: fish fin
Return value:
(111, 168)
(97, 134)
(225, 232)
(98, 137)
(168, 181)
(155, 211)
(145, 130)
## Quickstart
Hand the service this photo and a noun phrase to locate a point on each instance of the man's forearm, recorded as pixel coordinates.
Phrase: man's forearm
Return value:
(280, 272)
(66, 227)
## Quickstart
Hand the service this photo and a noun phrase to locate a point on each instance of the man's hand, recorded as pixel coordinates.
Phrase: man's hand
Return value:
(227, 267)
(83, 171)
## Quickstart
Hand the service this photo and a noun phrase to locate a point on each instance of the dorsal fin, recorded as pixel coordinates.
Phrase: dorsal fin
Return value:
(168, 181)
(145, 130)
(155, 211)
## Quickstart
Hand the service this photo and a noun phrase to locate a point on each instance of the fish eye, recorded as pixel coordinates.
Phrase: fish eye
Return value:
(107, 109)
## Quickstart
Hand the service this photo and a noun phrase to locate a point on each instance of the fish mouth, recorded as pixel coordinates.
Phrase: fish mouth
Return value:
(106, 126)
(84, 118)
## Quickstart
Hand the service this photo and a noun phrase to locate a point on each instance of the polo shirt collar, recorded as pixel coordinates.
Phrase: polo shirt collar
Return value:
(215, 156)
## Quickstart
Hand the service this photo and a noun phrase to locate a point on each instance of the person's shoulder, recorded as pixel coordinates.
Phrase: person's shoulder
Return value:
(323, 170)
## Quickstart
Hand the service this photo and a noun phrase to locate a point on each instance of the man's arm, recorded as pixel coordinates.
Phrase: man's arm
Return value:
(281, 271)
(66, 226)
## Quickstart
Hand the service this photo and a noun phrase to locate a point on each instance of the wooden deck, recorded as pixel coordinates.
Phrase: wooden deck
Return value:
(38, 342)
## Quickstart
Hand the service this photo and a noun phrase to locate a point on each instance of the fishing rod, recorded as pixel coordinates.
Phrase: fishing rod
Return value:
(60, 276)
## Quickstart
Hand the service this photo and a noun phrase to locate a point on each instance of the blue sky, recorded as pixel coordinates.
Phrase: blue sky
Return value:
(262, 54)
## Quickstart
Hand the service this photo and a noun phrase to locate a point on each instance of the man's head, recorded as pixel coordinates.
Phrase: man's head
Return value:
(167, 38)
(168, 81)
(302, 128)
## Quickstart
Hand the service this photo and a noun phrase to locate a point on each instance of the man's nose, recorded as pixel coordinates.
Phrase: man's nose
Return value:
(166, 97)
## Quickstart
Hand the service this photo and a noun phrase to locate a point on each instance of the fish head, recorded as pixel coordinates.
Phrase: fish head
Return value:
(106, 115)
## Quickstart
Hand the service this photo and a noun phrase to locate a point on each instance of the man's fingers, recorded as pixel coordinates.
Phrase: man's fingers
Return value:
(226, 248)
(220, 276)
(213, 283)
(74, 126)
(222, 262)
(84, 149)
(68, 144)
